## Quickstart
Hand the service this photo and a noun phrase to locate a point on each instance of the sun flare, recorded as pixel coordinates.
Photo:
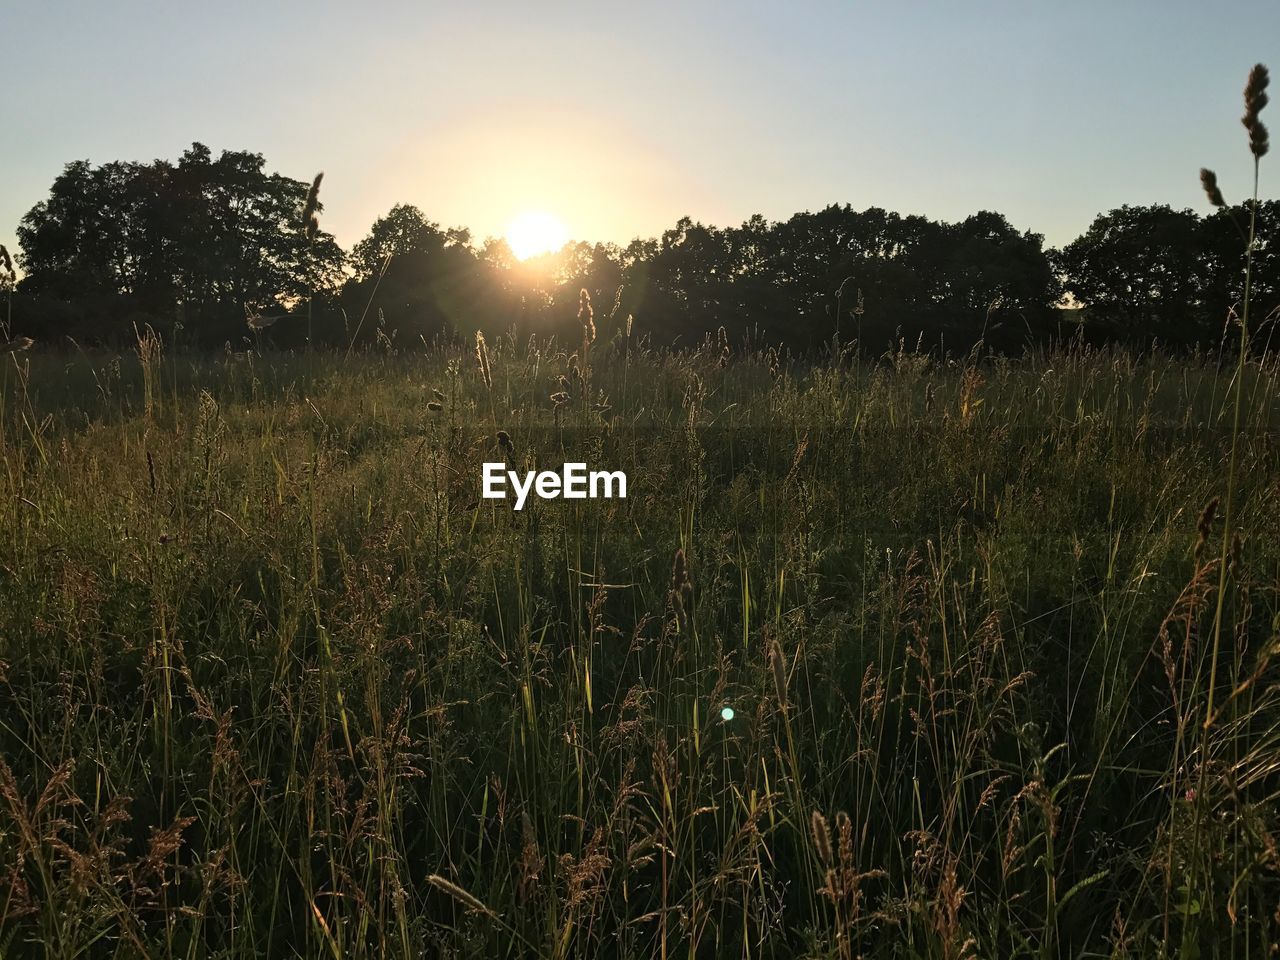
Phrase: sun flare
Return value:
(535, 232)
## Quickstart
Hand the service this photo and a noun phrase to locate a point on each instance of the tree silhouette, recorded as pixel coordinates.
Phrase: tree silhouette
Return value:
(199, 240)
(1223, 242)
(1141, 272)
(196, 242)
(417, 280)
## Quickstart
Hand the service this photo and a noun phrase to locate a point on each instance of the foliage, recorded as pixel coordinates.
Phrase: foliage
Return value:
(421, 281)
(1157, 273)
(192, 242)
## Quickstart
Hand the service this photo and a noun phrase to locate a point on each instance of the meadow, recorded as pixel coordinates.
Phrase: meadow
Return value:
(898, 656)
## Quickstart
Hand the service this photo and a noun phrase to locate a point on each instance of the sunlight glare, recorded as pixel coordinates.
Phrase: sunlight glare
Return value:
(535, 232)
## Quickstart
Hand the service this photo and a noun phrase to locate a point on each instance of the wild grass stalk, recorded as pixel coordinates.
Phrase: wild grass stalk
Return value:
(9, 281)
(1255, 98)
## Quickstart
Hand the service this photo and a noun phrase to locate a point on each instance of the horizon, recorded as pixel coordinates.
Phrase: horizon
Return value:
(754, 113)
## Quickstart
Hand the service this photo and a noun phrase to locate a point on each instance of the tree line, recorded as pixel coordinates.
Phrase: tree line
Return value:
(214, 251)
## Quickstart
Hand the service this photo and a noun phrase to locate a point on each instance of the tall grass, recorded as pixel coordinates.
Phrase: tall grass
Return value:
(277, 682)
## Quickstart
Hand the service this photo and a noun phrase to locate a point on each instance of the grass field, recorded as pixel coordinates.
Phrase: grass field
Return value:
(274, 681)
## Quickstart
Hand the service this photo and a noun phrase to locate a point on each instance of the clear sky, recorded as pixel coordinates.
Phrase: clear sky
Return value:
(620, 118)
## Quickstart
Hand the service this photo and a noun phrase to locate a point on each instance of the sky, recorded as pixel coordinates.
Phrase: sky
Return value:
(621, 118)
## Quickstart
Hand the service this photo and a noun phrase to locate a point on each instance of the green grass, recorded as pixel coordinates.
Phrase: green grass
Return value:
(274, 683)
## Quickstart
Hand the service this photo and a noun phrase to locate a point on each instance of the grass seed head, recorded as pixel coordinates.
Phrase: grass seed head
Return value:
(532, 861)
(1209, 180)
(1204, 526)
(681, 583)
(258, 321)
(312, 205)
(779, 667)
(844, 827)
(462, 896)
(1255, 98)
(1236, 557)
(482, 359)
(821, 837)
(17, 346)
(681, 588)
(586, 315)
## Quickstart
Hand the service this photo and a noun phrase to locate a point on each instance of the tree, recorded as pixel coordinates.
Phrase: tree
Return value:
(687, 277)
(1142, 273)
(848, 272)
(1224, 245)
(197, 241)
(993, 281)
(416, 279)
(402, 232)
(84, 238)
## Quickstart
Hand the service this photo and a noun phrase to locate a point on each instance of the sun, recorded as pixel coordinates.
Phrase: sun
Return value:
(535, 232)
